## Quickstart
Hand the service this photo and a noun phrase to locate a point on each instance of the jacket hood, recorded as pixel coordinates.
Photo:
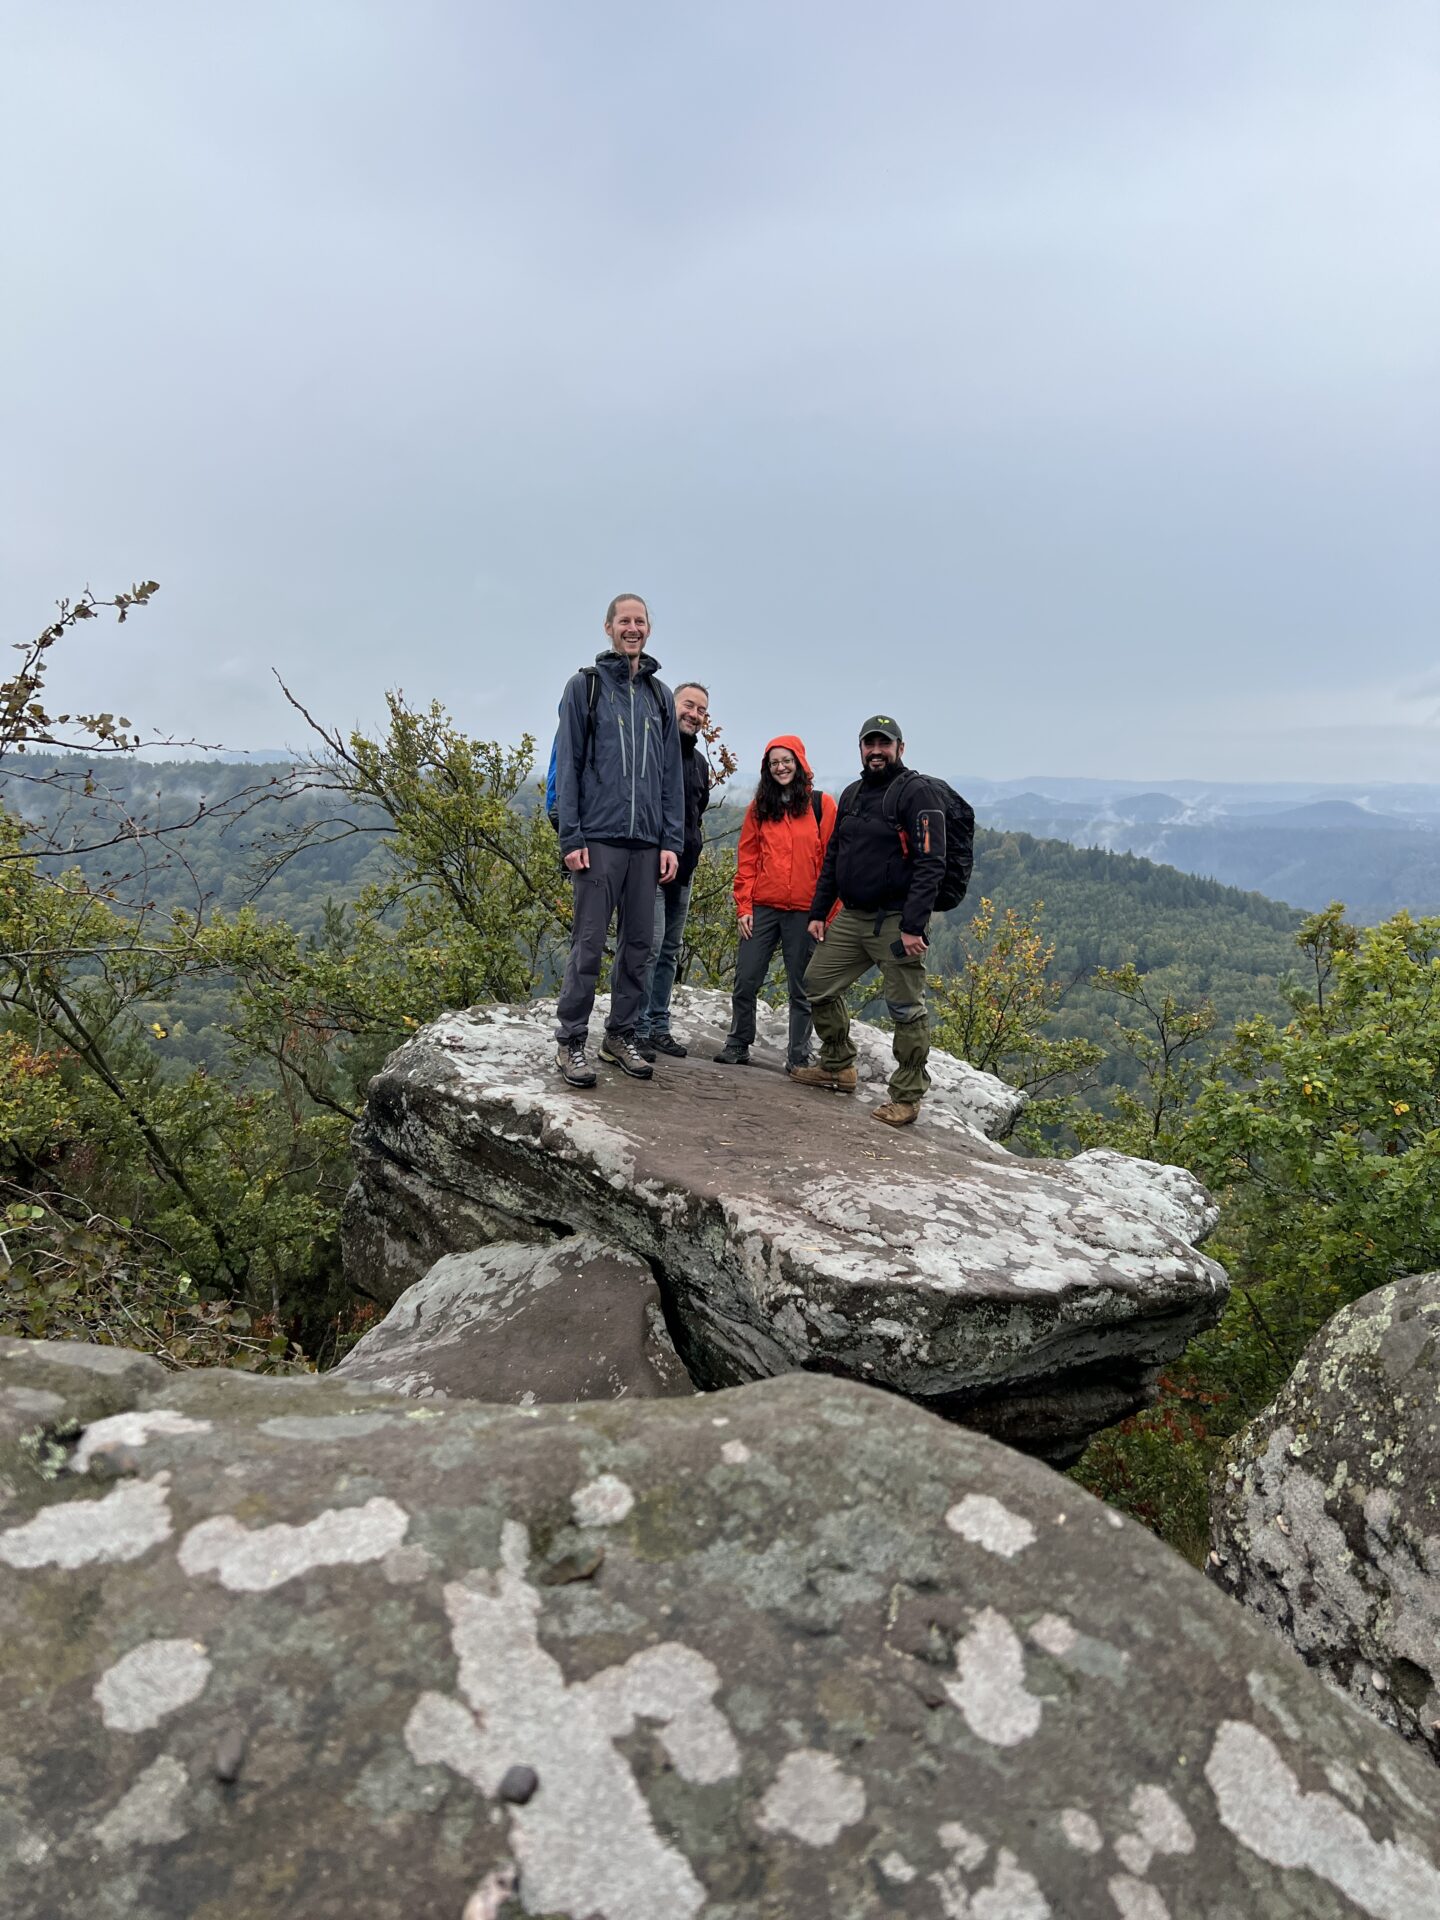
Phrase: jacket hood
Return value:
(792, 743)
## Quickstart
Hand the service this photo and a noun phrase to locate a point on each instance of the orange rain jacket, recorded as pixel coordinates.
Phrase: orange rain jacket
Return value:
(778, 862)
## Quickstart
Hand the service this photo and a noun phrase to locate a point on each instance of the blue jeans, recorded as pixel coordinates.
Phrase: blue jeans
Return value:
(672, 903)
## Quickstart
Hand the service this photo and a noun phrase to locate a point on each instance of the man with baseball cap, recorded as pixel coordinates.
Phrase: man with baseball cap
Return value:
(885, 861)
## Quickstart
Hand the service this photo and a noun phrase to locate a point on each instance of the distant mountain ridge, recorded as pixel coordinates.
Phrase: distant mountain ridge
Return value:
(1376, 847)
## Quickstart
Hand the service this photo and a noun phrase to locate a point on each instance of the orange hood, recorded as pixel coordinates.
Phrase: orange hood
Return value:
(792, 743)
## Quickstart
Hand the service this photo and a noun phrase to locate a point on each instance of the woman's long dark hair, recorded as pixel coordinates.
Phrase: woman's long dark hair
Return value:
(770, 802)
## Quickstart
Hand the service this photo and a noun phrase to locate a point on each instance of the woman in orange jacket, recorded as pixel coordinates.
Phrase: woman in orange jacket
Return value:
(782, 844)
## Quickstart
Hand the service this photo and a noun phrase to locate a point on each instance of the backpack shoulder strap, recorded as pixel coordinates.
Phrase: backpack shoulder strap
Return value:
(893, 793)
(816, 800)
(847, 799)
(591, 677)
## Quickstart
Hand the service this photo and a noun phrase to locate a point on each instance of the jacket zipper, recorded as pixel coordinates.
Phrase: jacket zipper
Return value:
(632, 756)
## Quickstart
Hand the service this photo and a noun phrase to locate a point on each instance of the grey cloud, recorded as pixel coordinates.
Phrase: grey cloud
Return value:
(1048, 374)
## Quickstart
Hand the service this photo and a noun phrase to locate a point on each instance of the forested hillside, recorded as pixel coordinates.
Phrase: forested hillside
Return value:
(1096, 909)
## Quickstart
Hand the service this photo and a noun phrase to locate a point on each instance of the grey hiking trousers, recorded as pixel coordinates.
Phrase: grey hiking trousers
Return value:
(619, 882)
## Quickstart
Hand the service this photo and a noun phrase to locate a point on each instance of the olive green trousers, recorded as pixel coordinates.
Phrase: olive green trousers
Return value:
(854, 943)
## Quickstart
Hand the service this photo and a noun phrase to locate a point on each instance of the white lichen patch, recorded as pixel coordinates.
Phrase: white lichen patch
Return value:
(1170, 1197)
(131, 1430)
(154, 1679)
(1136, 1899)
(812, 1799)
(126, 1523)
(1260, 1801)
(966, 1849)
(148, 1816)
(735, 1453)
(586, 1842)
(255, 1561)
(1012, 1893)
(990, 1690)
(986, 1522)
(602, 1503)
(1055, 1635)
(1048, 1233)
(1160, 1827)
(896, 1868)
(1081, 1830)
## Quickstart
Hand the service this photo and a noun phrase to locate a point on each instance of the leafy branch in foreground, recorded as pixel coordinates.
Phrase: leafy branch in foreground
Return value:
(995, 1011)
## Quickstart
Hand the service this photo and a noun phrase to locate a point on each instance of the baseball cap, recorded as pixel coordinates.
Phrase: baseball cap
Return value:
(882, 723)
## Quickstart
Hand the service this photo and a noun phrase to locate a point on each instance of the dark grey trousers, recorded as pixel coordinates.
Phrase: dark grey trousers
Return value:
(619, 882)
(772, 927)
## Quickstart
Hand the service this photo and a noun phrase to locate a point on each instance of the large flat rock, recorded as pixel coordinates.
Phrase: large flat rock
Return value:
(1034, 1299)
(1326, 1517)
(798, 1650)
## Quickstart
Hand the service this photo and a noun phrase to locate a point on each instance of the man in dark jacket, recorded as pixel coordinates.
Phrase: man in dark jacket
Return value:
(672, 899)
(885, 861)
(620, 801)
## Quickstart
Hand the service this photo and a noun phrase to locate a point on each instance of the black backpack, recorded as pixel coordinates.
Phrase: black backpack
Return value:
(959, 832)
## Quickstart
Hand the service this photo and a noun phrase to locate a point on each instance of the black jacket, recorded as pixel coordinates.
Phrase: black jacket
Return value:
(879, 861)
(695, 769)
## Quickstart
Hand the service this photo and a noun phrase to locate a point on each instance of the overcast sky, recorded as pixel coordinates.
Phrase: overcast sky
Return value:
(1061, 375)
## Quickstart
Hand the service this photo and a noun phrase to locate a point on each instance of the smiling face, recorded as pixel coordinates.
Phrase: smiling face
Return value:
(629, 628)
(783, 766)
(692, 709)
(878, 751)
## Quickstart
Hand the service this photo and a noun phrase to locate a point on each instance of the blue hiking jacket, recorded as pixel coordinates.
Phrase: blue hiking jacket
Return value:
(627, 783)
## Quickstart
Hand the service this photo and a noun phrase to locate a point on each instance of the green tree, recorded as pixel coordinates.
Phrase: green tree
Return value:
(996, 1011)
(1321, 1139)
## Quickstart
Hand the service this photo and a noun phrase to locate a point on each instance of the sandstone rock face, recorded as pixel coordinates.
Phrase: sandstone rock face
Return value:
(1326, 1519)
(798, 1649)
(569, 1321)
(1035, 1300)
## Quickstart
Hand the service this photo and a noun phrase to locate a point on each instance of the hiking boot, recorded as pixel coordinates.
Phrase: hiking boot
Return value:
(667, 1043)
(897, 1113)
(644, 1046)
(834, 1079)
(616, 1050)
(732, 1054)
(792, 1067)
(571, 1062)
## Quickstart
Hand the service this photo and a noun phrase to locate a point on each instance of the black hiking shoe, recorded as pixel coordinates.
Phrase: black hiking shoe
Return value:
(618, 1051)
(667, 1043)
(733, 1055)
(570, 1061)
(645, 1046)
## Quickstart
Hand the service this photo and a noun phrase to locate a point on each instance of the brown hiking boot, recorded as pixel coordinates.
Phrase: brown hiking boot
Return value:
(834, 1079)
(897, 1113)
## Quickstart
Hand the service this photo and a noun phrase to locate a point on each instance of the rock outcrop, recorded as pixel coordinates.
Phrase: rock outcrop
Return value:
(526, 1324)
(1034, 1300)
(1326, 1517)
(798, 1649)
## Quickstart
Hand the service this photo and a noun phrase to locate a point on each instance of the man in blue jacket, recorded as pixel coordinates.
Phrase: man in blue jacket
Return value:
(619, 794)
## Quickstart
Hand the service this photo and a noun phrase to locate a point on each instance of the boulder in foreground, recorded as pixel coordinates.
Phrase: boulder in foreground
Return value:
(1326, 1519)
(796, 1650)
